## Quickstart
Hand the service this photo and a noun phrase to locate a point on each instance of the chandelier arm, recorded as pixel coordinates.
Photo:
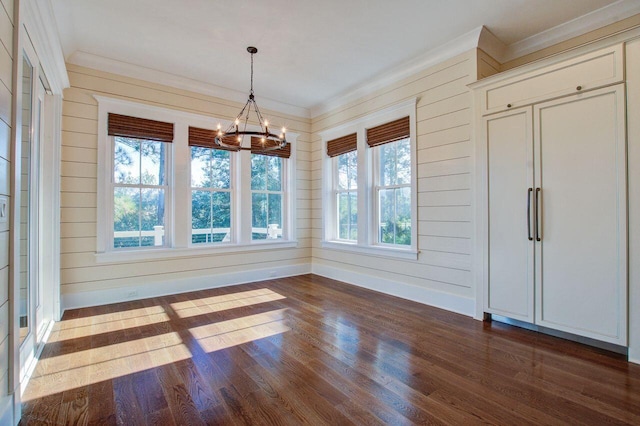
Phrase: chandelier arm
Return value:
(259, 114)
(246, 119)
(231, 127)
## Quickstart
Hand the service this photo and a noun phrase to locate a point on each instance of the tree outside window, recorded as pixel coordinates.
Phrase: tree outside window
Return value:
(393, 189)
(346, 194)
(266, 197)
(210, 195)
(139, 190)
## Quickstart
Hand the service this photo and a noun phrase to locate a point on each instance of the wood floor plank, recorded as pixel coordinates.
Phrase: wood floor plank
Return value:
(180, 404)
(311, 350)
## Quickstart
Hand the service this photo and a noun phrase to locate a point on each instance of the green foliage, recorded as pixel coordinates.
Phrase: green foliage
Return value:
(138, 162)
(394, 196)
(210, 205)
(266, 198)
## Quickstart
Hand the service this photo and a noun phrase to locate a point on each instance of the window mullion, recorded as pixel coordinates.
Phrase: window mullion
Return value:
(364, 187)
(395, 213)
(243, 216)
(139, 217)
(178, 223)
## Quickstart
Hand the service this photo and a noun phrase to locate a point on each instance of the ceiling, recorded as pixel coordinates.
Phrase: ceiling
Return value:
(310, 51)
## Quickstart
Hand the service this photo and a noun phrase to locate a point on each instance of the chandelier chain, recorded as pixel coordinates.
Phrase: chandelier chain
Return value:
(251, 92)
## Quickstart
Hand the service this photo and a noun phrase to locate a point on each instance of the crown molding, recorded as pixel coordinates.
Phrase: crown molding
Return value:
(435, 56)
(482, 38)
(126, 69)
(40, 23)
(599, 18)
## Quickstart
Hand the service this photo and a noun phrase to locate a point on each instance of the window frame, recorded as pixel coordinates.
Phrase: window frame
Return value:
(367, 242)
(178, 225)
(377, 187)
(211, 190)
(167, 187)
(282, 192)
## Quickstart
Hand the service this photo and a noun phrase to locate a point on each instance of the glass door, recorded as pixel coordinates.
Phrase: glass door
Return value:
(36, 295)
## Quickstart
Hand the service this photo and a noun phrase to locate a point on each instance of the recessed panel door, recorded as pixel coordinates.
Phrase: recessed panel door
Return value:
(510, 174)
(581, 275)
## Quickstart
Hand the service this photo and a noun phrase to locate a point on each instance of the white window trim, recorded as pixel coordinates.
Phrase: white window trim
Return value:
(367, 230)
(178, 228)
(168, 188)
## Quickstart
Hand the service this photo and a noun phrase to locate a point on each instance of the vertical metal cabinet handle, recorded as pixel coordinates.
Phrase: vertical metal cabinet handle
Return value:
(529, 191)
(537, 215)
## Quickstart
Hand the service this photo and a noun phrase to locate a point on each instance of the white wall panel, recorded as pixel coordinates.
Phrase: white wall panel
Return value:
(5, 140)
(443, 170)
(5, 181)
(6, 68)
(4, 249)
(6, 30)
(4, 296)
(5, 104)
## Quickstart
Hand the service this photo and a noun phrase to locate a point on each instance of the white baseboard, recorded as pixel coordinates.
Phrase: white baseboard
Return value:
(6, 409)
(633, 355)
(163, 288)
(438, 299)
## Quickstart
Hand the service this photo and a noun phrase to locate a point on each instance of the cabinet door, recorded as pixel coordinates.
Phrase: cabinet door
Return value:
(581, 269)
(510, 173)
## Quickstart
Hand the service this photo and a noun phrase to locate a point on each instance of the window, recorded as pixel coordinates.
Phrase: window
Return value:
(266, 197)
(393, 192)
(139, 184)
(165, 189)
(210, 195)
(211, 189)
(370, 194)
(139, 192)
(345, 185)
(347, 195)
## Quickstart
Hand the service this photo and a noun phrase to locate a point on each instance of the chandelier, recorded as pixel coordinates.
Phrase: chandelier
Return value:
(232, 137)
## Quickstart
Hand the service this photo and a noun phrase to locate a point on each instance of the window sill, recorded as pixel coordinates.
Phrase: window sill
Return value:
(127, 256)
(388, 252)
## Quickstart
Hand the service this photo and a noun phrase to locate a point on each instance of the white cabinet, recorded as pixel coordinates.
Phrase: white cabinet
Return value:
(510, 224)
(585, 72)
(580, 166)
(556, 213)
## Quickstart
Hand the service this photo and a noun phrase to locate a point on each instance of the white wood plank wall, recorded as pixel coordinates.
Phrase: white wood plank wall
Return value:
(79, 270)
(6, 87)
(444, 165)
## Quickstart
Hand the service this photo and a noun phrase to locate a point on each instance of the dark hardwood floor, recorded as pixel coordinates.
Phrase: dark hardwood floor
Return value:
(309, 350)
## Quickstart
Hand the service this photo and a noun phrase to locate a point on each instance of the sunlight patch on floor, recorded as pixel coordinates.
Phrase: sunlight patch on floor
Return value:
(64, 372)
(225, 302)
(65, 330)
(225, 334)
(55, 374)
(120, 320)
